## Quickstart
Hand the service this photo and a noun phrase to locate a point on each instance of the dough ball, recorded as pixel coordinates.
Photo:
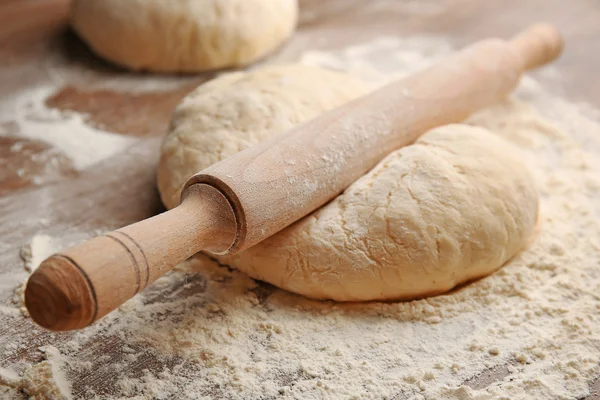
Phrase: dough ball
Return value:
(452, 207)
(239, 110)
(184, 35)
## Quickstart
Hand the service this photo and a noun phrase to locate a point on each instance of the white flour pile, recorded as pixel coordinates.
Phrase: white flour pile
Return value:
(44, 380)
(204, 331)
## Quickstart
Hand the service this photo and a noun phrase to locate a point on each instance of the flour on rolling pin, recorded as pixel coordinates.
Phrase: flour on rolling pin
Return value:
(214, 332)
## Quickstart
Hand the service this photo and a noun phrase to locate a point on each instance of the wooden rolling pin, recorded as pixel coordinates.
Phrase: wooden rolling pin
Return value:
(244, 199)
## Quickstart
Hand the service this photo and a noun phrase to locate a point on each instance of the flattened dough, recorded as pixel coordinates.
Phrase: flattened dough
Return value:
(452, 207)
(183, 35)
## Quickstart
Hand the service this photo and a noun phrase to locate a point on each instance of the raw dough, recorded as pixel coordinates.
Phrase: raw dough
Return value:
(452, 207)
(184, 35)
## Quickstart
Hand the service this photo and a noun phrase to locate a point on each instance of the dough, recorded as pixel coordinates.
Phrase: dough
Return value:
(452, 207)
(184, 35)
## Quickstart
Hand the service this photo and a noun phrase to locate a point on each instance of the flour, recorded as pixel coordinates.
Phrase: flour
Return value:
(410, 7)
(380, 60)
(205, 331)
(40, 248)
(43, 380)
(67, 132)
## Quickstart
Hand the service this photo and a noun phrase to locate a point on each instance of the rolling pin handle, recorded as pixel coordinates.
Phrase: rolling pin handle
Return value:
(59, 296)
(74, 288)
(538, 45)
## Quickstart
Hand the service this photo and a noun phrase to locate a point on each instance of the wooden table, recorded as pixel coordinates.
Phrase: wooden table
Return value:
(35, 198)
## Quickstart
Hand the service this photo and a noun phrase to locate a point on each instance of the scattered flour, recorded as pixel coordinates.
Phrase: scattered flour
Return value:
(43, 380)
(24, 114)
(40, 248)
(379, 61)
(67, 132)
(205, 331)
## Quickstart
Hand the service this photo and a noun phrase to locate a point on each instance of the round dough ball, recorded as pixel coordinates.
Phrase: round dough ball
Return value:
(238, 110)
(183, 35)
(452, 207)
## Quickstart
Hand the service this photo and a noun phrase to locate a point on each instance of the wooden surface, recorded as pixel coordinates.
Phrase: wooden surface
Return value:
(121, 190)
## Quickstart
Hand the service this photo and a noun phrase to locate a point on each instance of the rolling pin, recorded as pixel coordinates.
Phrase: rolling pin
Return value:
(248, 197)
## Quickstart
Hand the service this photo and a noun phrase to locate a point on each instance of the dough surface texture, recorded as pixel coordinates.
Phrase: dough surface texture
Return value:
(238, 110)
(452, 207)
(183, 35)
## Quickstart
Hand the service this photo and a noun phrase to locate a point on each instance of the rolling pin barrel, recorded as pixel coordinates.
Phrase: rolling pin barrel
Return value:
(277, 182)
(242, 200)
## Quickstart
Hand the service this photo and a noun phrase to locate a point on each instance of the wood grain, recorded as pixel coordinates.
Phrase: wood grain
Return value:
(32, 33)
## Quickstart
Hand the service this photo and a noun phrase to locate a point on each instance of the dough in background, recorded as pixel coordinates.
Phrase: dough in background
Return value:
(452, 207)
(184, 35)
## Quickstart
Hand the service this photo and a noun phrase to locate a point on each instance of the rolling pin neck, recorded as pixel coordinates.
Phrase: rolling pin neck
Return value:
(215, 221)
